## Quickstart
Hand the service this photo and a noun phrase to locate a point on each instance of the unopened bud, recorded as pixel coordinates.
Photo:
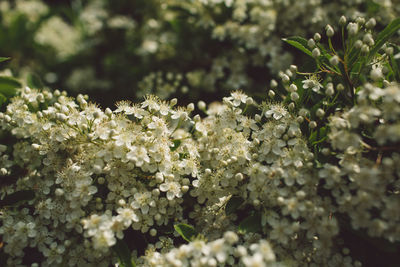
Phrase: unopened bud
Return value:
(342, 21)
(329, 31)
(370, 23)
(316, 53)
(317, 37)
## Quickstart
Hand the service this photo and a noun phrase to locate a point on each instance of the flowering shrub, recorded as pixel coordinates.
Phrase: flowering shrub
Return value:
(284, 182)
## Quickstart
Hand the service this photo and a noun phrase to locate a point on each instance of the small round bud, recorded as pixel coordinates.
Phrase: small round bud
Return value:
(59, 192)
(316, 53)
(271, 93)
(293, 68)
(285, 78)
(360, 21)
(329, 90)
(312, 124)
(370, 23)
(334, 60)
(340, 87)
(291, 106)
(101, 180)
(376, 74)
(121, 202)
(389, 50)
(317, 37)
(300, 119)
(3, 171)
(173, 102)
(108, 112)
(364, 49)
(190, 107)
(368, 39)
(201, 105)
(329, 31)
(273, 83)
(249, 101)
(320, 113)
(311, 43)
(358, 44)
(294, 96)
(292, 88)
(239, 176)
(153, 232)
(257, 117)
(352, 28)
(342, 21)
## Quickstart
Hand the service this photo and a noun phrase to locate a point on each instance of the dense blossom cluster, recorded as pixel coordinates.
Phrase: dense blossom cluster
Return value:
(274, 183)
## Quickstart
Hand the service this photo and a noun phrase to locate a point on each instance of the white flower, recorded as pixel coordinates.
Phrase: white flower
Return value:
(172, 188)
(312, 83)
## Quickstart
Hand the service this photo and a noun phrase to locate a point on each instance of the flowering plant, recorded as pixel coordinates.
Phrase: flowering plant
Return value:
(283, 182)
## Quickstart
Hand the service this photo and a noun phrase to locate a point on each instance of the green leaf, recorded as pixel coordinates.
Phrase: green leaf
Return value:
(233, 204)
(186, 231)
(251, 224)
(17, 197)
(384, 36)
(8, 86)
(4, 59)
(298, 42)
(177, 143)
(3, 99)
(33, 81)
(123, 253)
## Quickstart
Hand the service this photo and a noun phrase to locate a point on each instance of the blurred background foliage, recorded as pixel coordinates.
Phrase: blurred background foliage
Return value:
(194, 49)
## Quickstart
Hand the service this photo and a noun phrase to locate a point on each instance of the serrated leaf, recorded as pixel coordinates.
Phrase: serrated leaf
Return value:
(233, 204)
(300, 43)
(4, 59)
(33, 81)
(17, 197)
(8, 86)
(177, 143)
(123, 253)
(251, 224)
(384, 36)
(186, 231)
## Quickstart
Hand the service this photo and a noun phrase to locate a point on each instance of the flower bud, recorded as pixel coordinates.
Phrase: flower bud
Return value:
(352, 28)
(292, 88)
(368, 39)
(364, 49)
(342, 21)
(311, 43)
(320, 113)
(376, 74)
(339, 87)
(294, 96)
(273, 83)
(201, 105)
(334, 60)
(316, 53)
(285, 78)
(329, 31)
(370, 23)
(389, 50)
(312, 124)
(271, 93)
(358, 44)
(317, 37)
